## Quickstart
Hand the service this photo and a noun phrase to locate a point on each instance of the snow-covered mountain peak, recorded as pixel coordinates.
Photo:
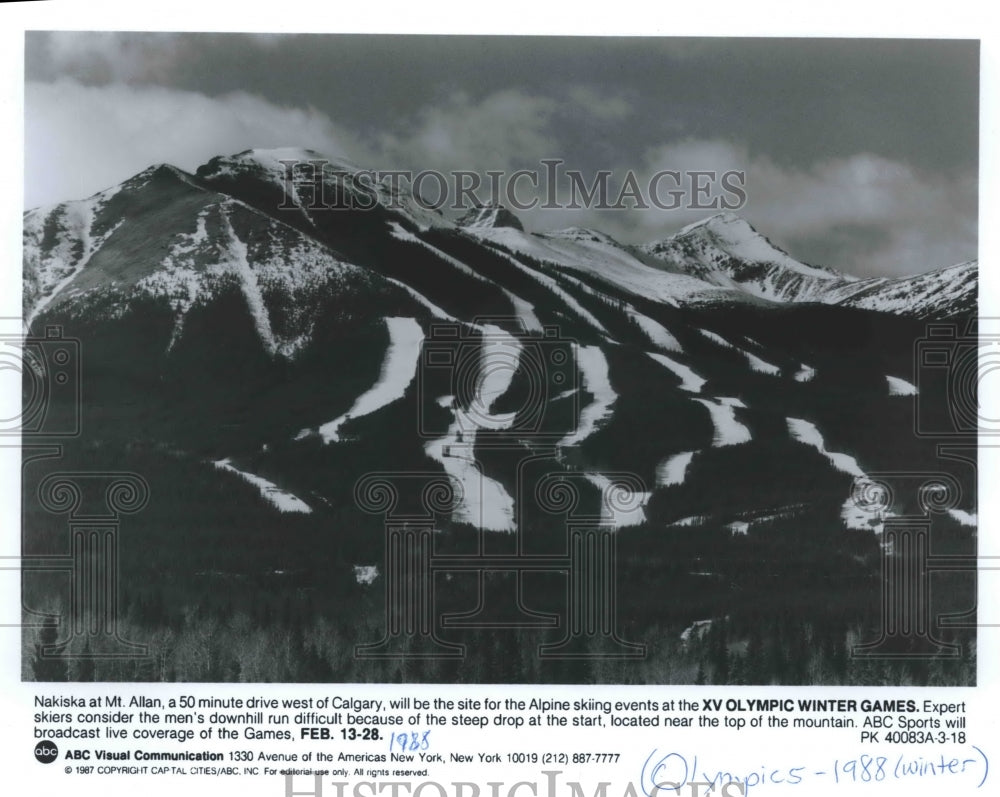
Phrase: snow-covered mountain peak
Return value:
(939, 293)
(583, 234)
(263, 154)
(272, 163)
(726, 250)
(311, 183)
(294, 171)
(161, 219)
(733, 235)
(490, 216)
(165, 236)
(717, 222)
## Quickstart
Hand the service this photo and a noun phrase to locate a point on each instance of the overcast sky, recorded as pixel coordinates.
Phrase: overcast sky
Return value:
(860, 154)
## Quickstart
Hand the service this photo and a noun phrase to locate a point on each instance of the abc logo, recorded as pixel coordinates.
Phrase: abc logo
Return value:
(46, 752)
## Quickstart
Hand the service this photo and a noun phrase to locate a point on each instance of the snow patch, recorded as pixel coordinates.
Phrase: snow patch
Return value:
(731, 402)
(177, 279)
(483, 502)
(600, 256)
(690, 381)
(756, 363)
(435, 311)
(715, 338)
(861, 519)
(759, 365)
(283, 265)
(728, 430)
(525, 312)
(620, 507)
(807, 433)
(900, 387)
(805, 373)
(970, 519)
(656, 332)
(594, 372)
(692, 520)
(365, 574)
(697, 629)
(249, 286)
(282, 500)
(61, 265)
(673, 469)
(398, 370)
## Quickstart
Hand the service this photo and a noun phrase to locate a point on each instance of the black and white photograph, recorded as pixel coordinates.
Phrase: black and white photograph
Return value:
(499, 359)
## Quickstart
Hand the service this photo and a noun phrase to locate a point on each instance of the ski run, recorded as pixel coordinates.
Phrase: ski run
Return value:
(282, 500)
(673, 470)
(482, 502)
(690, 381)
(807, 433)
(728, 430)
(900, 387)
(398, 370)
(594, 373)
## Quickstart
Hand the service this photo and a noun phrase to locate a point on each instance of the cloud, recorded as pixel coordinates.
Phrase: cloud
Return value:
(503, 130)
(915, 221)
(135, 57)
(865, 213)
(105, 56)
(600, 105)
(81, 139)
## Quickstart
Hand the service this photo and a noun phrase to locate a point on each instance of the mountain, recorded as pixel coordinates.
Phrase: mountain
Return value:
(726, 250)
(163, 238)
(260, 338)
(489, 216)
(942, 293)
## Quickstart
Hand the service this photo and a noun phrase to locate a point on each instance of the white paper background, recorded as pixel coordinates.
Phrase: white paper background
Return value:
(22, 775)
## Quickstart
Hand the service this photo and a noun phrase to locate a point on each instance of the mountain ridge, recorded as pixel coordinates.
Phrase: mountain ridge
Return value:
(258, 360)
(723, 253)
